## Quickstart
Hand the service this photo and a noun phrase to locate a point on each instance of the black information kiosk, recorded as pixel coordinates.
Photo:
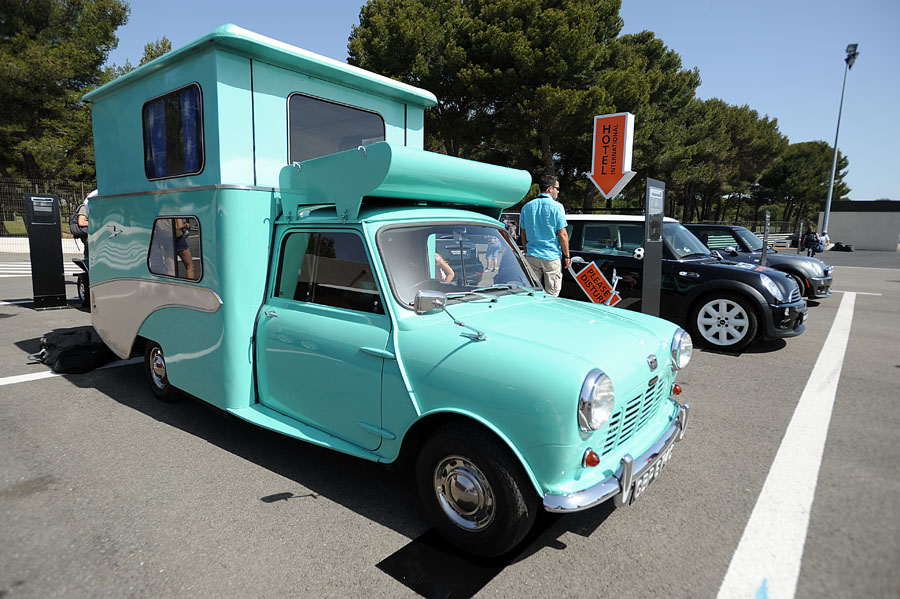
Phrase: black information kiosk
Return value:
(45, 244)
(653, 245)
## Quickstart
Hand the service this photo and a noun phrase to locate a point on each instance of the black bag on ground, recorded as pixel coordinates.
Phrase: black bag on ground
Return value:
(74, 350)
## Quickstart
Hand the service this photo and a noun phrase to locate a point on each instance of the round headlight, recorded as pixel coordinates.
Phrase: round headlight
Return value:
(772, 288)
(682, 349)
(597, 400)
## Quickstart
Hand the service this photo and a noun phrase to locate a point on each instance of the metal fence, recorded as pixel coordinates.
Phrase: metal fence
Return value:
(13, 235)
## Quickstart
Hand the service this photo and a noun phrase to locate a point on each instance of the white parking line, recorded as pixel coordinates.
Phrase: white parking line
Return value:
(768, 557)
(37, 376)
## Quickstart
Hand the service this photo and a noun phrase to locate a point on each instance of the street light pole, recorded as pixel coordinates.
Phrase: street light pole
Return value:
(851, 58)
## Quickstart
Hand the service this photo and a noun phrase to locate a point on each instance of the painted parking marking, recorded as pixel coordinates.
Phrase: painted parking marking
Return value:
(856, 292)
(37, 376)
(768, 557)
(23, 269)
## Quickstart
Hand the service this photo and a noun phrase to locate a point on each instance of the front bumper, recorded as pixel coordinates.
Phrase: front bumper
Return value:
(618, 486)
(786, 320)
(819, 287)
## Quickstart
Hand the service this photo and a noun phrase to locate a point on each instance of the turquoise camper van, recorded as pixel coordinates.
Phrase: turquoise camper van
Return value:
(272, 238)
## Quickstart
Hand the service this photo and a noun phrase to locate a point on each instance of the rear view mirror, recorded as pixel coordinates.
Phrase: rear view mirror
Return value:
(427, 300)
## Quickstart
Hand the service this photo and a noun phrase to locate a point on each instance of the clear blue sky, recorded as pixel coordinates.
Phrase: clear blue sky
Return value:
(783, 58)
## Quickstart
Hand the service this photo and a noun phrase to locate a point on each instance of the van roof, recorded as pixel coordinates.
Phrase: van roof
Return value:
(255, 45)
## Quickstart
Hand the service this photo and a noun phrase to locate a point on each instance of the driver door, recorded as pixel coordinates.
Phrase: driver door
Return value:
(322, 336)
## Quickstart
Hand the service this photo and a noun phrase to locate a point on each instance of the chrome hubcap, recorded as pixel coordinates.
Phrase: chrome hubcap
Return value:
(722, 322)
(158, 368)
(464, 493)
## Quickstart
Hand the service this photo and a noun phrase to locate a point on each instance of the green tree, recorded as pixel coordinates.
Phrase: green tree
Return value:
(155, 49)
(797, 181)
(52, 52)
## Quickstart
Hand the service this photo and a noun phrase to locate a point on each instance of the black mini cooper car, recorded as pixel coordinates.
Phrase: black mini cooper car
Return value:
(725, 305)
(740, 244)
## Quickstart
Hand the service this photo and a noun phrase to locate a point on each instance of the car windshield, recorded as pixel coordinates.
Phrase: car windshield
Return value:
(682, 242)
(453, 258)
(750, 239)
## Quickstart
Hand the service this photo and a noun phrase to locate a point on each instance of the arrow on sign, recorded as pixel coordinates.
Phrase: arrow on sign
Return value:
(611, 156)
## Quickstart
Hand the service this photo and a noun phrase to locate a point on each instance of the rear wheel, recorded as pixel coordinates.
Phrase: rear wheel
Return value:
(475, 491)
(724, 321)
(82, 288)
(155, 369)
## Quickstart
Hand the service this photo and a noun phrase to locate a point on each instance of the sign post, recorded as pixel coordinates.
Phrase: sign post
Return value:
(611, 155)
(653, 242)
(762, 261)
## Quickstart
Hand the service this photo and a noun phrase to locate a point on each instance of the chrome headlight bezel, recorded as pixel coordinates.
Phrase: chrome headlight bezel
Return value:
(596, 401)
(772, 287)
(682, 349)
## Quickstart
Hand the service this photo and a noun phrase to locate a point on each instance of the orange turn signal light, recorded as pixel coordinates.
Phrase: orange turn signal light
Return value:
(676, 389)
(591, 458)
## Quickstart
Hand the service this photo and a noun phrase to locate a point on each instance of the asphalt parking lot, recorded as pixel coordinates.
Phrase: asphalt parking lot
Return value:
(788, 475)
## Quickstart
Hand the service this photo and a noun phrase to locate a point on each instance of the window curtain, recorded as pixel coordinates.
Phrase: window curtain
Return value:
(156, 140)
(190, 128)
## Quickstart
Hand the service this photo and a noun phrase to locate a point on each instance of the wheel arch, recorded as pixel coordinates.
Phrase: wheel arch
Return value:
(425, 426)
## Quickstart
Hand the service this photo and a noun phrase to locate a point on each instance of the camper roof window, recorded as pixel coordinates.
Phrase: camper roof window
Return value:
(173, 133)
(317, 127)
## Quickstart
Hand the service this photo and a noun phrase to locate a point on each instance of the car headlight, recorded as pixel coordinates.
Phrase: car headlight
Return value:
(772, 288)
(596, 402)
(682, 349)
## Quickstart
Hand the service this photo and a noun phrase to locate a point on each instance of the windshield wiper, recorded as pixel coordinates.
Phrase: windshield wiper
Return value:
(480, 291)
(704, 255)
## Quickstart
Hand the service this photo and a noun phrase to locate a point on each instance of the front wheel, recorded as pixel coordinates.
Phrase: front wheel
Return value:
(475, 491)
(155, 369)
(724, 321)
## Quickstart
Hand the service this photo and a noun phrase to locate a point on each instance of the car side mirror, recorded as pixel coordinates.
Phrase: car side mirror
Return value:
(731, 251)
(638, 254)
(427, 300)
(578, 260)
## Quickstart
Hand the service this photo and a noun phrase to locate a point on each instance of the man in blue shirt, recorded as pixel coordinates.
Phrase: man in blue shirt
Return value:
(543, 224)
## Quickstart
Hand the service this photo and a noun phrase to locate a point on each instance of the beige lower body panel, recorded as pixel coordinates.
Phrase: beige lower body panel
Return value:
(120, 306)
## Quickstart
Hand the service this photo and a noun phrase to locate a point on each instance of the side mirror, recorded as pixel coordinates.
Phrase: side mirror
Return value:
(577, 260)
(731, 251)
(638, 254)
(427, 300)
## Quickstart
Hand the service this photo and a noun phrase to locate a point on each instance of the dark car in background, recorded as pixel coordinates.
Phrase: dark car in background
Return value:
(725, 305)
(462, 256)
(740, 244)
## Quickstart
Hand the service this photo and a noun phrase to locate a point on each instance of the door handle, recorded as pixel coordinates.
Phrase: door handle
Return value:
(271, 313)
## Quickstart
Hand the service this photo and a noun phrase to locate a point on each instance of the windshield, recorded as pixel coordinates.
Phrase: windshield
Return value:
(682, 242)
(750, 239)
(451, 258)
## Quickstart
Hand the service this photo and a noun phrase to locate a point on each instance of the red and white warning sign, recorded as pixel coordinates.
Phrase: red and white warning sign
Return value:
(595, 285)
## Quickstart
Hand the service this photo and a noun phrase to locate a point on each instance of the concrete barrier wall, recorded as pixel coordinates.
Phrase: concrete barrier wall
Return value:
(864, 230)
(19, 245)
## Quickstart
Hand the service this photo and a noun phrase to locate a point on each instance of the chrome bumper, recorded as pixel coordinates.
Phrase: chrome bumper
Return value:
(618, 486)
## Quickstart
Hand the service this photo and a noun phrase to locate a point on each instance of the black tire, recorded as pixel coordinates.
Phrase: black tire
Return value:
(490, 506)
(82, 289)
(800, 284)
(724, 321)
(155, 369)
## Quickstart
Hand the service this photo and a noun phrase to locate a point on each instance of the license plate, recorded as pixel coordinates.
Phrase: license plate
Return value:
(651, 474)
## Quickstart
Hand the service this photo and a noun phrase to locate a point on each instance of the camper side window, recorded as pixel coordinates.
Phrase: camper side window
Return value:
(328, 268)
(175, 248)
(317, 127)
(173, 133)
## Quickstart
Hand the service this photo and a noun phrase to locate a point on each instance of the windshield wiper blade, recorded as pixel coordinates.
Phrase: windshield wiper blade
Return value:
(696, 254)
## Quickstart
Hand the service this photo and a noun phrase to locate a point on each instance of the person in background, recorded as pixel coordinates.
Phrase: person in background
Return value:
(493, 250)
(182, 230)
(82, 215)
(444, 271)
(543, 227)
(810, 240)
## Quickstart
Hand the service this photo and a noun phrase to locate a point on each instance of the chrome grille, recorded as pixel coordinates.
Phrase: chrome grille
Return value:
(625, 423)
(795, 294)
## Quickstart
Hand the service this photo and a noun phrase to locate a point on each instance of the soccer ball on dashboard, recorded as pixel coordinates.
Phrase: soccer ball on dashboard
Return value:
(638, 254)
